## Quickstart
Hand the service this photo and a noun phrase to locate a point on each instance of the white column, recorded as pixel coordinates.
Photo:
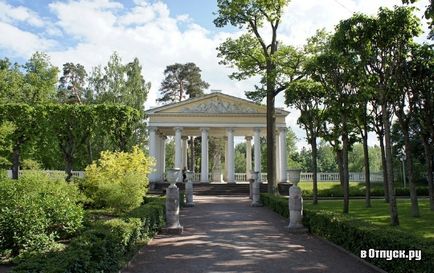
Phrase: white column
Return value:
(231, 155)
(277, 157)
(257, 147)
(163, 157)
(184, 151)
(283, 155)
(153, 151)
(225, 175)
(158, 157)
(248, 156)
(178, 147)
(204, 156)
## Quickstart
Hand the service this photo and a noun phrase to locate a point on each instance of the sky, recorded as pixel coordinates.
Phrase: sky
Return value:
(159, 33)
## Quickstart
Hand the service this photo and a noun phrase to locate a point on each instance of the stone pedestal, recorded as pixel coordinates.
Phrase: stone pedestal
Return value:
(295, 203)
(256, 192)
(189, 190)
(172, 204)
(251, 182)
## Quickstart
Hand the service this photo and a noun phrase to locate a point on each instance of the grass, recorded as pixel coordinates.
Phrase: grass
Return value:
(378, 214)
(304, 185)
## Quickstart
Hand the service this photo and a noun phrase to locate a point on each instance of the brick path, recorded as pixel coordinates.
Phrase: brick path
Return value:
(225, 234)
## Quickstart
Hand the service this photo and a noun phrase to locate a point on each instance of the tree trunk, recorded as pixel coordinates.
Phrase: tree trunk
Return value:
(68, 167)
(339, 158)
(429, 169)
(89, 150)
(346, 182)
(16, 160)
(367, 168)
(410, 173)
(389, 167)
(383, 163)
(314, 169)
(271, 144)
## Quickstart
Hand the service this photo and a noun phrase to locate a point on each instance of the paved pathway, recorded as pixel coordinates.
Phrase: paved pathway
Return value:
(225, 234)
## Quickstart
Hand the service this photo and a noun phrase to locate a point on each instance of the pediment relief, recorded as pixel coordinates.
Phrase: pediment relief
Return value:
(218, 106)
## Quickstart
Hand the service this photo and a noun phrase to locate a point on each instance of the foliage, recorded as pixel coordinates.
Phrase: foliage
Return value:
(30, 164)
(6, 130)
(356, 235)
(118, 179)
(71, 87)
(254, 55)
(35, 211)
(104, 247)
(181, 80)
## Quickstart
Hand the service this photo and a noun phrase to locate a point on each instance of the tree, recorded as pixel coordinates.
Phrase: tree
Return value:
(420, 81)
(22, 117)
(307, 96)
(429, 16)
(181, 81)
(253, 56)
(72, 83)
(380, 44)
(40, 79)
(11, 82)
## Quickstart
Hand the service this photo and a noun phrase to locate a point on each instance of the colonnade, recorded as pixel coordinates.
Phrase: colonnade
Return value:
(157, 150)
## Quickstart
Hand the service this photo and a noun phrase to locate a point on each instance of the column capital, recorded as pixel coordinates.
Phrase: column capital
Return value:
(177, 128)
(152, 128)
(248, 138)
(282, 129)
(204, 129)
(257, 129)
(184, 137)
(230, 130)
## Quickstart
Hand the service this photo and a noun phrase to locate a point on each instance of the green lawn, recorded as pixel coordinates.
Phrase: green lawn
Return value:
(379, 214)
(304, 185)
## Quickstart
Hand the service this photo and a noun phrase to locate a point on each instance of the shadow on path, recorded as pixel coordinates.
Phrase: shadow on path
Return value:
(225, 234)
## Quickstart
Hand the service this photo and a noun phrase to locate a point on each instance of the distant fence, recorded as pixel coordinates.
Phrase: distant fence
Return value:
(239, 177)
(50, 173)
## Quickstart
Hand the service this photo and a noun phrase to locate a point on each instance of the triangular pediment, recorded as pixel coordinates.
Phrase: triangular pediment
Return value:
(214, 103)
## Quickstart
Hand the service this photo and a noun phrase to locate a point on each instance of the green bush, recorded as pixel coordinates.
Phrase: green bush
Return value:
(354, 191)
(356, 235)
(103, 247)
(118, 179)
(35, 211)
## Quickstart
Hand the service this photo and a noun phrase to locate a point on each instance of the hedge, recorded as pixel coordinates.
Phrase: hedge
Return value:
(355, 235)
(103, 247)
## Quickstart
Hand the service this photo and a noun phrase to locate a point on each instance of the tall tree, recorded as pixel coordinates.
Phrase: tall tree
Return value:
(40, 79)
(181, 81)
(253, 56)
(307, 96)
(11, 82)
(421, 82)
(72, 83)
(381, 43)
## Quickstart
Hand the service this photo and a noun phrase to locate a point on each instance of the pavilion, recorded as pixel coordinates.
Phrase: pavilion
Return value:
(218, 115)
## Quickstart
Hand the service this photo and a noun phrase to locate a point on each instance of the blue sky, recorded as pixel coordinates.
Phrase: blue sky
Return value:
(159, 33)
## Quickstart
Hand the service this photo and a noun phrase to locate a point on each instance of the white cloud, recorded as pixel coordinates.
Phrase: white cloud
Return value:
(11, 14)
(20, 42)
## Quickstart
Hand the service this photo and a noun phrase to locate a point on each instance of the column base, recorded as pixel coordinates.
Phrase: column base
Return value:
(256, 205)
(173, 230)
(189, 205)
(297, 230)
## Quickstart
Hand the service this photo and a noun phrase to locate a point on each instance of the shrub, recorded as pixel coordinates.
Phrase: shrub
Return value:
(118, 179)
(355, 235)
(30, 164)
(103, 247)
(35, 210)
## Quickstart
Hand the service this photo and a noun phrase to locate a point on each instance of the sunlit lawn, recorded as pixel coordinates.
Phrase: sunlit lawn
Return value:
(304, 185)
(379, 214)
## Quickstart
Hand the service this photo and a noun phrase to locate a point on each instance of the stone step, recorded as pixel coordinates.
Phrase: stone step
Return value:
(218, 189)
